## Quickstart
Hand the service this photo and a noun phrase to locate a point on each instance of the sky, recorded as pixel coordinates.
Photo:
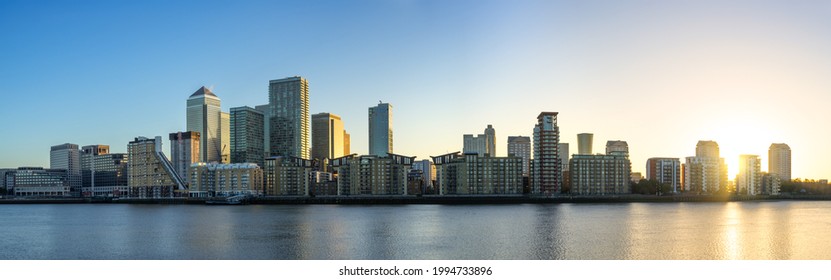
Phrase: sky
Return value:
(661, 75)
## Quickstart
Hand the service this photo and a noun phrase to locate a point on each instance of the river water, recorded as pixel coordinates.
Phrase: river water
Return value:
(731, 230)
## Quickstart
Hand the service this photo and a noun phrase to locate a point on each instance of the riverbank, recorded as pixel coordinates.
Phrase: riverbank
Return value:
(446, 199)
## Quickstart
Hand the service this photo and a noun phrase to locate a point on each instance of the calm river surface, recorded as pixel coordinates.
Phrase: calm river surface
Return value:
(733, 230)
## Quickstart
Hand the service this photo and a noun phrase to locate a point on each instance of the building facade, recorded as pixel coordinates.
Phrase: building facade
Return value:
(380, 130)
(546, 177)
(520, 146)
(585, 142)
(149, 173)
(327, 136)
(428, 172)
(247, 135)
(779, 161)
(600, 174)
(184, 151)
(771, 184)
(749, 179)
(666, 171)
(707, 171)
(482, 144)
(288, 101)
(288, 176)
(37, 182)
(372, 175)
(471, 174)
(68, 157)
(204, 116)
(104, 174)
(215, 179)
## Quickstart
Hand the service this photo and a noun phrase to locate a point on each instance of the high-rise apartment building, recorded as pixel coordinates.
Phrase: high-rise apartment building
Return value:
(225, 137)
(749, 179)
(204, 116)
(564, 155)
(288, 176)
(327, 136)
(288, 101)
(266, 111)
(149, 173)
(585, 143)
(184, 151)
(380, 129)
(546, 173)
(666, 171)
(520, 146)
(705, 172)
(490, 133)
(779, 161)
(247, 135)
(347, 143)
(68, 157)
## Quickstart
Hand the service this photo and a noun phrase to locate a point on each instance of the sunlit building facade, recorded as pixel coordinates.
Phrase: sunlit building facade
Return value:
(380, 129)
(288, 176)
(600, 174)
(104, 174)
(216, 179)
(327, 136)
(749, 179)
(373, 175)
(471, 174)
(520, 146)
(706, 172)
(149, 173)
(779, 161)
(666, 171)
(204, 116)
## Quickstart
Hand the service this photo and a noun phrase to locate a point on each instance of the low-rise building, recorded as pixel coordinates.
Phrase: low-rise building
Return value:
(286, 175)
(372, 175)
(37, 182)
(217, 179)
(600, 174)
(472, 174)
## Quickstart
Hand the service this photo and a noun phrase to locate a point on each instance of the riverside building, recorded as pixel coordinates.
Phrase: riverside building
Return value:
(546, 173)
(471, 174)
(372, 175)
(149, 173)
(215, 179)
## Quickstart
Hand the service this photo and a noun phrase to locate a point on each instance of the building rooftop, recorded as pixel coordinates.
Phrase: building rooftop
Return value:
(203, 91)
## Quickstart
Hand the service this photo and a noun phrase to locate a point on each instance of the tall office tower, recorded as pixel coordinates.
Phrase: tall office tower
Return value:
(779, 161)
(584, 143)
(520, 146)
(665, 171)
(288, 100)
(225, 137)
(247, 135)
(617, 147)
(327, 136)
(149, 173)
(749, 179)
(428, 172)
(184, 151)
(490, 133)
(705, 172)
(68, 157)
(380, 129)
(204, 116)
(347, 143)
(546, 170)
(266, 111)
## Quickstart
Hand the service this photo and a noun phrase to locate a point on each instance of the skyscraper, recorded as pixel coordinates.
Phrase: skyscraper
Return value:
(347, 143)
(184, 151)
(520, 146)
(224, 137)
(779, 161)
(380, 129)
(204, 116)
(490, 133)
(584, 143)
(247, 135)
(327, 136)
(288, 100)
(68, 157)
(546, 170)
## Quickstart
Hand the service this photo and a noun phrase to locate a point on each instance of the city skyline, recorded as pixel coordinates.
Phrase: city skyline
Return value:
(744, 80)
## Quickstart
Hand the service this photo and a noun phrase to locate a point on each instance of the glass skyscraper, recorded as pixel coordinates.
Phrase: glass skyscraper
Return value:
(380, 129)
(288, 101)
(203, 116)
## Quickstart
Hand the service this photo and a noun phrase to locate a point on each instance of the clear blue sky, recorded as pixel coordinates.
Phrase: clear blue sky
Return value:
(659, 74)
